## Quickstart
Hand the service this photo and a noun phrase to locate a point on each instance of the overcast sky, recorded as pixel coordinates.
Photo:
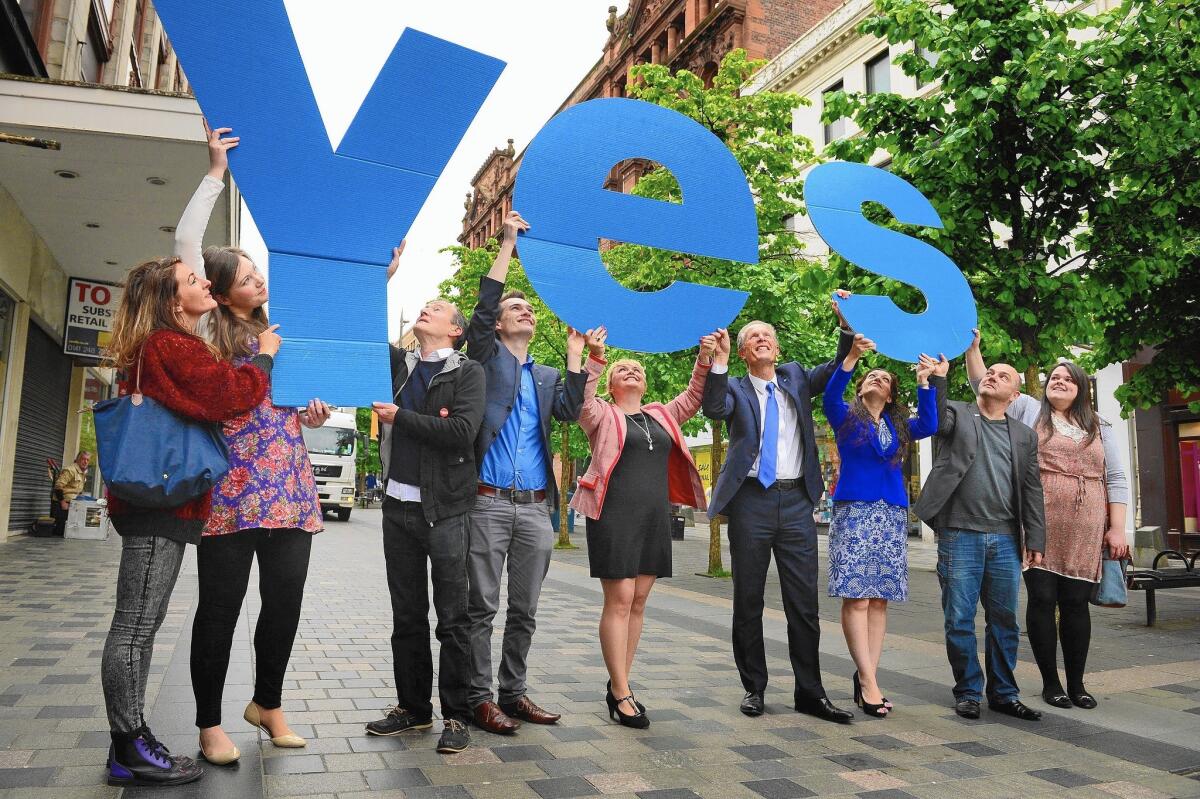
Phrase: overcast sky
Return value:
(548, 45)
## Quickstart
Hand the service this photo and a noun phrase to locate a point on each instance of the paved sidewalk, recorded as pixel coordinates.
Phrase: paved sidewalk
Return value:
(56, 597)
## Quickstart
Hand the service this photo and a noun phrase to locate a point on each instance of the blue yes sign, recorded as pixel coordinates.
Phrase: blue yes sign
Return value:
(329, 218)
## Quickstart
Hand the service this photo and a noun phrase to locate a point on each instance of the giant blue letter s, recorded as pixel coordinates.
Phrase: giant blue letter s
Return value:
(560, 191)
(329, 219)
(835, 193)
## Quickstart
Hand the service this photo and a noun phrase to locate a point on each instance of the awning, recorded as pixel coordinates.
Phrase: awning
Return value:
(129, 162)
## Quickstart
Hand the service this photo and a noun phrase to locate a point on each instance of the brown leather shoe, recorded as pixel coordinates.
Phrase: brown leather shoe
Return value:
(525, 709)
(490, 717)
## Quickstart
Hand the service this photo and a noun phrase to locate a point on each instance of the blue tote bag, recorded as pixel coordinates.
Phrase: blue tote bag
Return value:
(153, 458)
(1111, 591)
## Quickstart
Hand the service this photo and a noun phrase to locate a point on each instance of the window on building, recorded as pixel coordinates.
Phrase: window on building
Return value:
(930, 57)
(836, 129)
(879, 73)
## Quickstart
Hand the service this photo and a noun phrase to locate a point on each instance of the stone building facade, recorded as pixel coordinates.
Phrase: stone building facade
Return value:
(682, 34)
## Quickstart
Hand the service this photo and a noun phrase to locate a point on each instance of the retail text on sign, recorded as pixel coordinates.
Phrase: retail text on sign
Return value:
(91, 305)
(333, 216)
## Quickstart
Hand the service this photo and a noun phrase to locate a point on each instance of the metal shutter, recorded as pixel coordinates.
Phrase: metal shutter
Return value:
(41, 427)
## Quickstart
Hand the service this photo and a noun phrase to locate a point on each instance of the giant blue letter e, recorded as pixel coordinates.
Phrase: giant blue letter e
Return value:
(560, 191)
(329, 219)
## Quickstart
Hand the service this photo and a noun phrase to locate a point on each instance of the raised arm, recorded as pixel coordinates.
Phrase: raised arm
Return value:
(189, 231)
(976, 368)
(689, 401)
(593, 409)
(481, 330)
(931, 385)
(481, 333)
(833, 399)
(568, 389)
(717, 402)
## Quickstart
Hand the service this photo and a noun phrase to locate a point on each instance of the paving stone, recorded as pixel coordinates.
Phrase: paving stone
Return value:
(576, 733)
(563, 787)
(974, 749)
(1063, 777)
(858, 762)
(669, 793)
(759, 752)
(881, 742)
(26, 777)
(662, 743)
(510, 754)
(569, 767)
(399, 778)
(778, 789)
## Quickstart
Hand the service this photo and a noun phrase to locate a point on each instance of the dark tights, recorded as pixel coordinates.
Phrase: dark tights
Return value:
(1047, 592)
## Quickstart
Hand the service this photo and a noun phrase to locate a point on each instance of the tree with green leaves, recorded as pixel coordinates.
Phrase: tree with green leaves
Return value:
(1032, 151)
(786, 288)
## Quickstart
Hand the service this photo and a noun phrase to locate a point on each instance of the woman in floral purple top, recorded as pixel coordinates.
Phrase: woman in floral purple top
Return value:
(266, 508)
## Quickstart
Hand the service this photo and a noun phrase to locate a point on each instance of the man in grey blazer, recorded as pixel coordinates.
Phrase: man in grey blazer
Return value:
(984, 499)
(510, 520)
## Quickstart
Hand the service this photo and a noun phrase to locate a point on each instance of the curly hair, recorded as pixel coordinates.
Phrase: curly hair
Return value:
(859, 420)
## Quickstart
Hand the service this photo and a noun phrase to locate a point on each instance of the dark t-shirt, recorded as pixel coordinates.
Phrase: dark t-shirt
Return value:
(405, 463)
(986, 494)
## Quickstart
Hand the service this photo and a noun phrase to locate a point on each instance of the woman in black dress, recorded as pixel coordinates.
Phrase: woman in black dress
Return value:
(640, 465)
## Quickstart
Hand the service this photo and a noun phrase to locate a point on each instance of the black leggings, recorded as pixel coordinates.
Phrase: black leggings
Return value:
(1049, 591)
(224, 565)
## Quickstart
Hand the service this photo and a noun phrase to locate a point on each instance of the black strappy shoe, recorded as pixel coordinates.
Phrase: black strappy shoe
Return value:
(638, 720)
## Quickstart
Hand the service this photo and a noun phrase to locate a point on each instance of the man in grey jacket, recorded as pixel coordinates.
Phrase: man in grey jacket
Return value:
(510, 518)
(984, 499)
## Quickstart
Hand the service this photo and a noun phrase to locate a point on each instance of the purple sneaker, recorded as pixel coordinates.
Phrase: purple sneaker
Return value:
(143, 760)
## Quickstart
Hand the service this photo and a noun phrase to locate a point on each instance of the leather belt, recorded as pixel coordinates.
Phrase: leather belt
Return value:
(512, 495)
(786, 484)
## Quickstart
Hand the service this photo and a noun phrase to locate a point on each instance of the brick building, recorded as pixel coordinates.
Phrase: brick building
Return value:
(682, 34)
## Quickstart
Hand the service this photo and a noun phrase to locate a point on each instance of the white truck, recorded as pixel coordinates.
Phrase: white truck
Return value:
(333, 449)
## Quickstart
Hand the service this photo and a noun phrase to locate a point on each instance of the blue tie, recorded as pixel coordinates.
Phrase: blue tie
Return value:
(770, 441)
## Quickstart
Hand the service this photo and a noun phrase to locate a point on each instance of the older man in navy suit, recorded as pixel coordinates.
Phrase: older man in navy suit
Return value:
(768, 488)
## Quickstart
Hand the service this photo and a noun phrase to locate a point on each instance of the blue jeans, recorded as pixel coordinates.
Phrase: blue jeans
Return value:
(974, 567)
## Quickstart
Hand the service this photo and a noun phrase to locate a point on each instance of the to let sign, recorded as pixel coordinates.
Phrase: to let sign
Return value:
(91, 306)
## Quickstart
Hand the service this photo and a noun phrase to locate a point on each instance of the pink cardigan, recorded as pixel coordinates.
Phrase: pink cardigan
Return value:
(605, 427)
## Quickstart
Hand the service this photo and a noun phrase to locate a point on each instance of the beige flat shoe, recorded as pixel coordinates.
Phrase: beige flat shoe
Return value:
(221, 758)
(289, 741)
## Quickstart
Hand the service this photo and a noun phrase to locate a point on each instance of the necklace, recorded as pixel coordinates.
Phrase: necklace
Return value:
(645, 429)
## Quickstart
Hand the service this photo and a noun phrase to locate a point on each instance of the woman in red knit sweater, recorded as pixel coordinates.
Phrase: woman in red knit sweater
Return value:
(154, 342)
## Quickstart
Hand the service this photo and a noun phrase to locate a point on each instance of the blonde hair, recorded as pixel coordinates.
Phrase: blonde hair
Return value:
(612, 367)
(230, 333)
(148, 304)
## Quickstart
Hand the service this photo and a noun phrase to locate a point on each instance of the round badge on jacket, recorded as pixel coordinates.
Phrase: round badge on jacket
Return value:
(444, 412)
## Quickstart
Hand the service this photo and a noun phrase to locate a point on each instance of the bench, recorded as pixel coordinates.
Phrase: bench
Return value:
(1156, 579)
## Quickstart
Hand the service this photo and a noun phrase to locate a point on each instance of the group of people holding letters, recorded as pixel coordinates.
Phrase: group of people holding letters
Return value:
(1017, 486)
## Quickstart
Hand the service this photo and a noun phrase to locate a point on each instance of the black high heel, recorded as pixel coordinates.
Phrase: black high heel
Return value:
(608, 691)
(638, 720)
(879, 711)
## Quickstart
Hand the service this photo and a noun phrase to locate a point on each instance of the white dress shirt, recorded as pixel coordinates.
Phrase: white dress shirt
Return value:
(788, 456)
(406, 492)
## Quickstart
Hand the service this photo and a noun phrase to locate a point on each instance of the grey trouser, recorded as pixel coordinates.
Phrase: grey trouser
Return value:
(149, 566)
(521, 533)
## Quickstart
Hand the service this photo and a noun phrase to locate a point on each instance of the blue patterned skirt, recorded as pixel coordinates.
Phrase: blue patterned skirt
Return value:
(868, 551)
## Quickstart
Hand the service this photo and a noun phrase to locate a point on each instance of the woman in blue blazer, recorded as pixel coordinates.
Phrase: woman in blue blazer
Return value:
(868, 559)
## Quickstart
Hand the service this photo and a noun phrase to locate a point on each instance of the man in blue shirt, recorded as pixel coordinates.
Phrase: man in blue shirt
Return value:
(517, 491)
